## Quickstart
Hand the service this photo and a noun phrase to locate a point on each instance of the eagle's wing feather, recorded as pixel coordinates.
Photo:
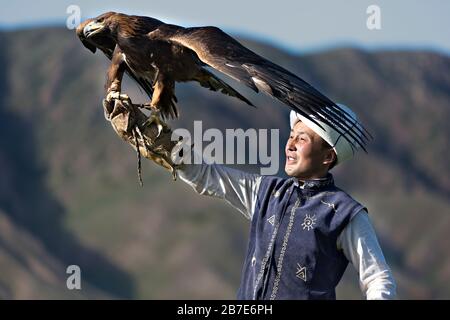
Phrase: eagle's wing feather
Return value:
(220, 51)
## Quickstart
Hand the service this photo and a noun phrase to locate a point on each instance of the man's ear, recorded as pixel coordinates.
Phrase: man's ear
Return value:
(329, 157)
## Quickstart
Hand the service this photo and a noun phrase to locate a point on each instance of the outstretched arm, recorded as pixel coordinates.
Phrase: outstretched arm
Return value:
(236, 187)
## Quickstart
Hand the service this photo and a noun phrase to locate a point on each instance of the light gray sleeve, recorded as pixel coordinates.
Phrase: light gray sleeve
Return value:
(236, 187)
(360, 245)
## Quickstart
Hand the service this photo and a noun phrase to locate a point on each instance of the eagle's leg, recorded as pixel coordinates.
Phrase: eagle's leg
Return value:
(159, 92)
(114, 77)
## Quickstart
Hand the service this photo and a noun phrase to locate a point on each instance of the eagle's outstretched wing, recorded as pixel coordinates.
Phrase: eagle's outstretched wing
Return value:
(107, 46)
(220, 51)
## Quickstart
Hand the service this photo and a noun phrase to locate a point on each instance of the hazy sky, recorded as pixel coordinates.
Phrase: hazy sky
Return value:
(297, 25)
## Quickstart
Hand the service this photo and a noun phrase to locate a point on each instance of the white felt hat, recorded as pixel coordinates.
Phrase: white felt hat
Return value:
(341, 146)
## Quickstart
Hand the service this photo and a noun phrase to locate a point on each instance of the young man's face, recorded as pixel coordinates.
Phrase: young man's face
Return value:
(306, 157)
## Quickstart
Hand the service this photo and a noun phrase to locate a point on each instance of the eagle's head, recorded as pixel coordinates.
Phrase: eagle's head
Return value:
(94, 32)
(104, 30)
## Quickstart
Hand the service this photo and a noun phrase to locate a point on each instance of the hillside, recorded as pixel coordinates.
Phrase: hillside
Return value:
(69, 191)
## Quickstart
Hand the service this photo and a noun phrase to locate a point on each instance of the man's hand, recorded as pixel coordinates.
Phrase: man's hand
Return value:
(131, 124)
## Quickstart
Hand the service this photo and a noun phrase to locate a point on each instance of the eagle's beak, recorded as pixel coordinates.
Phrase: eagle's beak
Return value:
(92, 28)
(80, 33)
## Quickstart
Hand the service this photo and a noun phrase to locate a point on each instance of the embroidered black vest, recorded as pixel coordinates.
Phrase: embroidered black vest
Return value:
(292, 252)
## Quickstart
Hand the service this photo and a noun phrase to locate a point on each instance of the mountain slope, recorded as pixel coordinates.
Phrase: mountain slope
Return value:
(70, 185)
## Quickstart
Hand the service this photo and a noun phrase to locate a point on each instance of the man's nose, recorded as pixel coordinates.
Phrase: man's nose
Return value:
(291, 145)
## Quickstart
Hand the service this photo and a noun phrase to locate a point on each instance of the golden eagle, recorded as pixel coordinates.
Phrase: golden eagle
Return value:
(156, 55)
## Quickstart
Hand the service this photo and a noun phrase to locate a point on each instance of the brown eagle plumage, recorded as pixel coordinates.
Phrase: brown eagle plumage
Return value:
(157, 55)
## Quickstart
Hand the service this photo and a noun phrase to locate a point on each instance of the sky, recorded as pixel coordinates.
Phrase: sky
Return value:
(298, 26)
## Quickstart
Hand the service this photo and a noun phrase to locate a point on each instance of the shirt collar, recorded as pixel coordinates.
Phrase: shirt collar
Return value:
(314, 184)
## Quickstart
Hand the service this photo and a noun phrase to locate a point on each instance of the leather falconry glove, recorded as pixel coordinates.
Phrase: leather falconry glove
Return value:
(131, 124)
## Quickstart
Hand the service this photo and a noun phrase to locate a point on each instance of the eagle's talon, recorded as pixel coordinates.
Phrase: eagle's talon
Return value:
(116, 95)
(112, 95)
(154, 118)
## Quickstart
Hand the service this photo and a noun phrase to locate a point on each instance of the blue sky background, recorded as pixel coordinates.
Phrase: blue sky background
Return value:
(295, 25)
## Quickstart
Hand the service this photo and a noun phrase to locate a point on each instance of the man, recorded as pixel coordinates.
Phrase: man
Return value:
(304, 230)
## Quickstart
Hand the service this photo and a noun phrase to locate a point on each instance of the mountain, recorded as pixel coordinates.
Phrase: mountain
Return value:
(69, 192)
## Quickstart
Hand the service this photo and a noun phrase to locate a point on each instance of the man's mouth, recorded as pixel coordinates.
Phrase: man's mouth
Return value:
(290, 159)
